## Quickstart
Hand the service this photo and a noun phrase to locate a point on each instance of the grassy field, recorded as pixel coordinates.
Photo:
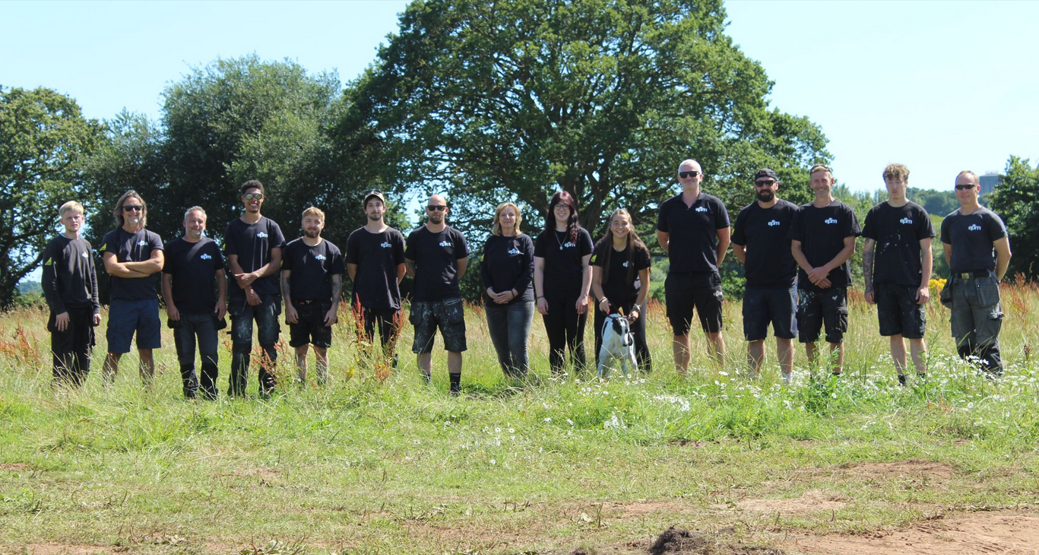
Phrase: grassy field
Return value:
(377, 463)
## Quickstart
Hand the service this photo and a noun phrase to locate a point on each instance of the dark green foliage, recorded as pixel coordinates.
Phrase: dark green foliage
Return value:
(1015, 201)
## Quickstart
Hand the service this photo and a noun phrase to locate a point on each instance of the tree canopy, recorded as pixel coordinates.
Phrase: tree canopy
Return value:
(1015, 201)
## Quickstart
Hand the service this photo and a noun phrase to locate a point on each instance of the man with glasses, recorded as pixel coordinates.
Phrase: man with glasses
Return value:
(437, 255)
(375, 264)
(132, 256)
(253, 246)
(693, 229)
(896, 264)
(977, 250)
(195, 290)
(760, 242)
(822, 240)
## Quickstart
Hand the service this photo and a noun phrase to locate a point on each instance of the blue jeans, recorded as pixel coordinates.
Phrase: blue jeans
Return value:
(509, 326)
(202, 327)
(267, 330)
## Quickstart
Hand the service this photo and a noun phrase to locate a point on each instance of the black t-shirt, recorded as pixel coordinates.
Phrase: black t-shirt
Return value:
(252, 243)
(132, 247)
(693, 232)
(312, 269)
(69, 279)
(821, 232)
(377, 256)
(898, 232)
(508, 263)
(763, 231)
(971, 236)
(193, 267)
(617, 286)
(436, 258)
(563, 269)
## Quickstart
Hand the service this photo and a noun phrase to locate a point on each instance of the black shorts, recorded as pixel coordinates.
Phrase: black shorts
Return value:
(762, 305)
(822, 306)
(448, 315)
(898, 312)
(683, 292)
(311, 328)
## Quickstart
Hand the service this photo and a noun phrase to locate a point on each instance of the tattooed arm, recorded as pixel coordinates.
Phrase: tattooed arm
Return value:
(868, 251)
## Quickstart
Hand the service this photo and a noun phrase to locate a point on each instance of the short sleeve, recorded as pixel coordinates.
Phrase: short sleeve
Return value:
(337, 266)
(230, 240)
(586, 241)
(539, 246)
(739, 237)
(398, 248)
(460, 245)
(642, 260)
(721, 217)
(409, 247)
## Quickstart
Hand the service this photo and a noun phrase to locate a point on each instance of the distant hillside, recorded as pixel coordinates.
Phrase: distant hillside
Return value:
(30, 288)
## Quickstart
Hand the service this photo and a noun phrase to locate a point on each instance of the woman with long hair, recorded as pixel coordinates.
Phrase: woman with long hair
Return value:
(562, 277)
(506, 271)
(620, 282)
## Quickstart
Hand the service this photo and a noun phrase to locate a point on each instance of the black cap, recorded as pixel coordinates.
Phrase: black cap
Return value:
(373, 194)
(765, 172)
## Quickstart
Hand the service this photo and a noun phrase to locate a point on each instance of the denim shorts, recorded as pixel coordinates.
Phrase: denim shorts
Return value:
(126, 317)
(448, 315)
(763, 305)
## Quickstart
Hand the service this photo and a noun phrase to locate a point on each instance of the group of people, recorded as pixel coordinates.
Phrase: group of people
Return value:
(795, 257)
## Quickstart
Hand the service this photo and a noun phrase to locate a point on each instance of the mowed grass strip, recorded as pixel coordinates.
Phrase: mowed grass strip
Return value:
(377, 462)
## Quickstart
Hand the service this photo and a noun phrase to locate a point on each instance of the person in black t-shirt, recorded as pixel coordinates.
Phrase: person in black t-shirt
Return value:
(506, 271)
(253, 245)
(195, 290)
(132, 255)
(70, 288)
(822, 241)
(693, 229)
(562, 278)
(620, 282)
(375, 263)
(898, 273)
(437, 256)
(760, 242)
(312, 271)
(977, 250)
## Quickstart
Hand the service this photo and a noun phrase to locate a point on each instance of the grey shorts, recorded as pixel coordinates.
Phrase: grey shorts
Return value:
(448, 315)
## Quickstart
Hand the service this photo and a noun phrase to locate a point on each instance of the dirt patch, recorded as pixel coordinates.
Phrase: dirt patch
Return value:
(912, 469)
(60, 549)
(680, 542)
(647, 507)
(969, 534)
(15, 467)
(810, 502)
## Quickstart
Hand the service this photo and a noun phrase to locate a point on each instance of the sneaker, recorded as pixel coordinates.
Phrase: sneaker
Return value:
(902, 380)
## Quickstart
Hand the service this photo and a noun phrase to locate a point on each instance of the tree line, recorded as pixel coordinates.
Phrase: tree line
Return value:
(484, 101)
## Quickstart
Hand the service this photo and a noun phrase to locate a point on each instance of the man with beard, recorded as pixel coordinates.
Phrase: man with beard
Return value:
(132, 255)
(253, 245)
(70, 288)
(312, 283)
(375, 264)
(193, 305)
(760, 242)
(437, 255)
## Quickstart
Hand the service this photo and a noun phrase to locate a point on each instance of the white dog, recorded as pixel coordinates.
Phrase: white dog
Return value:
(617, 343)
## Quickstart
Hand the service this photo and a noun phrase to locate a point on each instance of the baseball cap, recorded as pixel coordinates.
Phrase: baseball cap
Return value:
(373, 194)
(765, 172)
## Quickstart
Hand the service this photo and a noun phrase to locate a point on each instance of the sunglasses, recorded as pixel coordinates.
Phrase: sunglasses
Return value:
(133, 208)
(433, 208)
(685, 175)
(253, 196)
(965, 187)
(768, 183)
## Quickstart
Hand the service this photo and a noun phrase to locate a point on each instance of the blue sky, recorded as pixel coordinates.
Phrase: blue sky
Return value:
(939, 86)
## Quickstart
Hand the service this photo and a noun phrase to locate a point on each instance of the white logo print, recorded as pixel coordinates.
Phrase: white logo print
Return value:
(320, 257)
(445, 243)
(514, 250)
(261, 235)
(206, 257)
(702, 209)
(625, 264)
(830, 221)
(974, 227)
(905, 221)
(774, 223)
(385, 245)
(84, 255)
(569, 245)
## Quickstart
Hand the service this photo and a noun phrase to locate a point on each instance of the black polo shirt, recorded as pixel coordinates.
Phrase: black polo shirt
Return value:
(898, 232)
(693, 232)
(971, 236)
(763, 231)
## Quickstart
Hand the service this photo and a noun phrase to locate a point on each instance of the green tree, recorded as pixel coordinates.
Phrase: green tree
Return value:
(44, 140)
(1015, 200)
(513, 100)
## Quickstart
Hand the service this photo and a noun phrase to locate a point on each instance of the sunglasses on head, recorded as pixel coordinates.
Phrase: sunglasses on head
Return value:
(436, 208)
(133, 208)
(253, 196)
(687, 174)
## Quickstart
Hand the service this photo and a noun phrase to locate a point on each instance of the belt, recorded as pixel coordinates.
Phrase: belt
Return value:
(305, 302)
(974, 274)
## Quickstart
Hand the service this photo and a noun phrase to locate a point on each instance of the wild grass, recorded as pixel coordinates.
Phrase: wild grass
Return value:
(381, 463)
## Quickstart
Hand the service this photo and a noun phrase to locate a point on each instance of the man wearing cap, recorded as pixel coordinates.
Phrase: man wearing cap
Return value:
(978, 253)
(822, 240)
(312, 284)
(437, 256)
(896, 264)
(760, 242)
(375, 264)
(693, 229)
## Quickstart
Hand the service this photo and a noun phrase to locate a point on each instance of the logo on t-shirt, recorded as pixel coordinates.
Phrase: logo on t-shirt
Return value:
(702, 209)
(514, 250)
(905, 221)
(204, 256)
(625, 264)
(830, 221)
(974, 227)
(445, 244)
(320, 257)
(261, 235)
(385, 245)
(142, 243)
(774, 223)
(84, 255)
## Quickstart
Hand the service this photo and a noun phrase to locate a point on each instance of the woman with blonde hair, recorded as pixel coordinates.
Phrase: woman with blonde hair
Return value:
(620, 282)
(506, 271)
